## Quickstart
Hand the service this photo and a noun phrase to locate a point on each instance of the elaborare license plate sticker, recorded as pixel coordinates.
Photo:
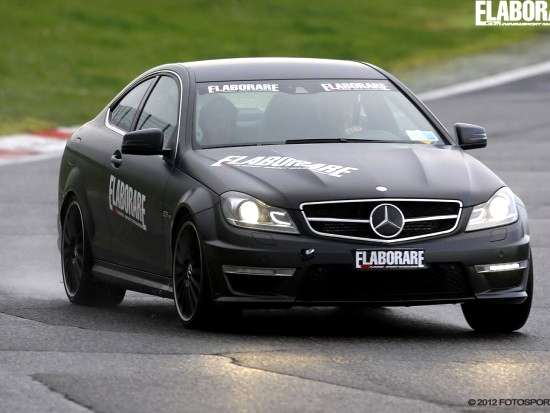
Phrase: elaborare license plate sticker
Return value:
(422, 135)
(243, 87)
(367, 259)
(346, 86)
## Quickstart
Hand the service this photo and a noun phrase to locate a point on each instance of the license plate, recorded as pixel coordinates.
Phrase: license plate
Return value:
(389, 259)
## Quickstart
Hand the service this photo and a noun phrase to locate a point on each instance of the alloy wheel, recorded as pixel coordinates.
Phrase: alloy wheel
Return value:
(187, 272)
(73, 249)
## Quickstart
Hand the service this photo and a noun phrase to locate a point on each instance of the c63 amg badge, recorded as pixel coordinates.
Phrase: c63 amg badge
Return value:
(127, 202)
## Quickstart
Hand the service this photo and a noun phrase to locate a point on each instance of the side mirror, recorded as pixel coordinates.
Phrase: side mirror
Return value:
(143, 142)
(470, 136)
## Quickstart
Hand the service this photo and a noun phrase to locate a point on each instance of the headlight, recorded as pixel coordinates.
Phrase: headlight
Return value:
(500, 210)
(246, 211)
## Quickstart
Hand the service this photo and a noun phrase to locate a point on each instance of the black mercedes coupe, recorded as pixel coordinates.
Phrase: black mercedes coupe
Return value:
(280, 182)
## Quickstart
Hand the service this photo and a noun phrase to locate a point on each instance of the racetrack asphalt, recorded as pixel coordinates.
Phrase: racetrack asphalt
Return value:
(55, 356)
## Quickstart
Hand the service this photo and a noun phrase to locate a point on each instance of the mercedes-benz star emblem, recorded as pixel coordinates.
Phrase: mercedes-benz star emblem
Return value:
(387, 221)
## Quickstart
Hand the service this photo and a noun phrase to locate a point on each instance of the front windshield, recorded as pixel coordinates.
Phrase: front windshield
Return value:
(282, 111)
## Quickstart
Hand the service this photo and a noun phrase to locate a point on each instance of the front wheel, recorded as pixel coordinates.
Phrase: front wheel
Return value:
(500, 318)
(190, 279)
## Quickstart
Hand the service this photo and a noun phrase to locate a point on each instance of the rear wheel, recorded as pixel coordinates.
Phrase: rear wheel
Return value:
(76, 264)
(500, 318)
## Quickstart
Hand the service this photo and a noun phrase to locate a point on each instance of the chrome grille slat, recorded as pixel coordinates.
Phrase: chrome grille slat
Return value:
(321, 219)
(434, 218)
(356, 225)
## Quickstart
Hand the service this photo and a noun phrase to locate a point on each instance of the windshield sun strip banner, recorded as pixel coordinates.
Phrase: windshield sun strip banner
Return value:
(243, 87)
(295, 86)
(354, 86)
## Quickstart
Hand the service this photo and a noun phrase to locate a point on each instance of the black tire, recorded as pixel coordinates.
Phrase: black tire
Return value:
(500, 318)
(76, 264)
(190, 279)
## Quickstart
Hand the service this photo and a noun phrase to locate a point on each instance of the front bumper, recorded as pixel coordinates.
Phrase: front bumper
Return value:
(328, 276)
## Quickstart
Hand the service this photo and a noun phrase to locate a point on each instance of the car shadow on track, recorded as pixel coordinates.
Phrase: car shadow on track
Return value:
(142, 314)
(349, 323)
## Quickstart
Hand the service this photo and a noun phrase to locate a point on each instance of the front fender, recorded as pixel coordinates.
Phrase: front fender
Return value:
(185, 197)
(193, 202)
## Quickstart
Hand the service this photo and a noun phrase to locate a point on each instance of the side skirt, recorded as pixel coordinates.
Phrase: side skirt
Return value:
(132, 279)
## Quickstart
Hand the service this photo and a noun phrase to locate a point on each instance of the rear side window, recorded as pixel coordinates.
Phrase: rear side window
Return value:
(161, 109)
(122, 115)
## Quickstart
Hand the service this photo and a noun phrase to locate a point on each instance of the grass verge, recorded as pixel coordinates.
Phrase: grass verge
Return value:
(62, 60)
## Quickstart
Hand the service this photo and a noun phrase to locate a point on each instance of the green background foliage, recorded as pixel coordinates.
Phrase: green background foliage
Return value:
(62, 60)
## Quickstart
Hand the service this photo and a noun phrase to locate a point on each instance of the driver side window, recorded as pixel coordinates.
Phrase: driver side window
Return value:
(161, 110)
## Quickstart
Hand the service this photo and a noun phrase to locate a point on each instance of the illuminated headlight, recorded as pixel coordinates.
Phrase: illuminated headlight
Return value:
(246, 211)
(500, 210)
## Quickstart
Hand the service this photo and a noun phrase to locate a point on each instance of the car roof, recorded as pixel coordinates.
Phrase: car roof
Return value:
(279, 68)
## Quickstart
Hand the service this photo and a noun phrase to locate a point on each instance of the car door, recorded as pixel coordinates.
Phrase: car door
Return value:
(140, 180)
(98, 141)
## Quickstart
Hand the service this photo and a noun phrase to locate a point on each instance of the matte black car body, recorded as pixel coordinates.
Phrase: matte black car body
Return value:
(180, 184)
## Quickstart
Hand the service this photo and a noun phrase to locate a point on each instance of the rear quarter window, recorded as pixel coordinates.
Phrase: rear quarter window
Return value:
(123, 114)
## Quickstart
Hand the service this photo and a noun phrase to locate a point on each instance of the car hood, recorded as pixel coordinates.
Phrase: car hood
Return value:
(287, 175)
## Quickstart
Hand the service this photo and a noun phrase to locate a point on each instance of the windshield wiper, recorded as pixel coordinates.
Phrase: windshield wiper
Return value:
(236, 145)
(312, 140)
(345, 140)
(320, 140)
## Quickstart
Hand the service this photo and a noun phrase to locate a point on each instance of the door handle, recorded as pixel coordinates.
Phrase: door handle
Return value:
(116, 159)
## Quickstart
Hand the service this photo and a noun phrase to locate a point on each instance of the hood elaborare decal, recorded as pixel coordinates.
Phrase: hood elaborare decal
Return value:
(284, 162)
(286, 176)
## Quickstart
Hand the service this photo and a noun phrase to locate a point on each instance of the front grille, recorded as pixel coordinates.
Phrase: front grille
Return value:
(343, 283)
(352, 219)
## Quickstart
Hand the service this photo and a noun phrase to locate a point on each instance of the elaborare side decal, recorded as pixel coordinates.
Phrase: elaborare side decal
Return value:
(127, 202)
(244, 87)
(330, 87)
(284, 162)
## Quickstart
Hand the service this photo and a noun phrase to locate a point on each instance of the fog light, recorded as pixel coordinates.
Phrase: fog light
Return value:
(507, 266)
(273, 272)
